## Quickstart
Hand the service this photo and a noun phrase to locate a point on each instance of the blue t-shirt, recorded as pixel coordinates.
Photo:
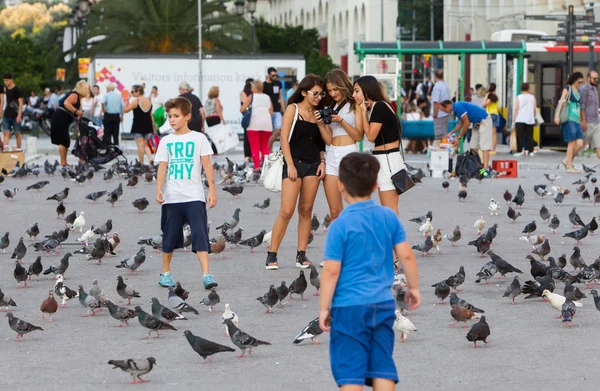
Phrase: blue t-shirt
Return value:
(474, 113)
(362, 238)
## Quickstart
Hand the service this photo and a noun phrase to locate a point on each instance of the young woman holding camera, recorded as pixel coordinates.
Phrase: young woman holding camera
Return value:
(381, 126)
(346, 130)
(304, 166)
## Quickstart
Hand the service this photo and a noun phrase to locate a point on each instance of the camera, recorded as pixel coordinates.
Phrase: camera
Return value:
(326, 114)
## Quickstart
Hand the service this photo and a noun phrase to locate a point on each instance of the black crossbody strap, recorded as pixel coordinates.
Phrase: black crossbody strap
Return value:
(399, 134)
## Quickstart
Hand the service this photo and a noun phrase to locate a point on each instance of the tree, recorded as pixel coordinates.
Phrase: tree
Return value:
(28, 19)
(417, 13)
(167, 26)
(294, 39)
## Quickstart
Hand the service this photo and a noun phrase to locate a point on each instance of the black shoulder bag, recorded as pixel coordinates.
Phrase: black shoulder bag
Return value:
(401, 180)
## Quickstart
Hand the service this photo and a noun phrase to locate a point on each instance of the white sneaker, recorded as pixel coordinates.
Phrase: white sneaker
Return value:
(322, 264)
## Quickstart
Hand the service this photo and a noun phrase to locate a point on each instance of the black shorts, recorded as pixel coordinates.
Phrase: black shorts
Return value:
(304, 169)
(172, 219)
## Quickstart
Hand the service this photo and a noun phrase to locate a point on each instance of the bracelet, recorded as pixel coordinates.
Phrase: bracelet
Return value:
(341, 120)
(322, 160)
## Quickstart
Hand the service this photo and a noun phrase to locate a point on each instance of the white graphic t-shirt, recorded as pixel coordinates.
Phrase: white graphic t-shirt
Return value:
(184, 173)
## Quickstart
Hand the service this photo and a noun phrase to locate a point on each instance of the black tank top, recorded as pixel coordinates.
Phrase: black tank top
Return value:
(142, 120)
(77, 104)
(306, 142)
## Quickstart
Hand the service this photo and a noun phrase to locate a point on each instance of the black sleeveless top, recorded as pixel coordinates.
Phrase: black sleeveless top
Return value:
(77, 104)
(142, 120)
(306, 143)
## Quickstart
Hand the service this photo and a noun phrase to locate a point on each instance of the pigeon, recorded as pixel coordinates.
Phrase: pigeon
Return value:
(254, 241)
(589, 273)
(119, 190)
(554, 224)
(70, 219)
(269, 299)
(20, 326)
(512, 214)
(60, 196)
(315, 279)
(125, 291)
(314, 224)
(424, 247)
(134, 262)
(552, 177)
(536, 288)
(592, 226)
(559, 198)
(133, 181)
(88, 302)
(159, 311)
(149, 176)
(426, 228)
(19, 251)
(513, 290)
(241, 339)
(596, 298)
(218, 247)
(479, 225)
(422, 219)
(585, 195)
(312, 330)
(179, 304)
(60, 210)
(95, 196)
(326, 222)
(482, 244)
(507, 197)
(557, 301)
(234, 190)
(544, 213)
(587, 169)
(461, 314)
(454, 236)
(530, 228)
(596, 196)
(6, 301)
(486, 272)
(108, 175)
(155, 242)
(578, 235)
(135, 367)
(151, 323)
(442, 290)
(282, 292)
(583, 180)
(122, 314)
(10, 193)
(141, 204)
(402, 325)
(114, 243)
(542, 249)
(263, 204)
(298, 286)
(519, 200)
(491, 233)
(38, 185)
(97, 293)
(78, 223)
(33, 232)
(4, 242)
(462, 195)
(540, 190)
(49, 306)
(179, 291)
(20, 274)
(232, 222)
(228, 314)
(479, 332)
(575, 219)
(494, 207)
(88, 236)
(576, 259)
(112, 198)
(445, 185)
(503, 266)
(98, 252)
(556, 272)
(538, 269)
(36, 268)
(568, 312)
(63, 291)
(562, 261)
(61, 267)
(463, 180)
(204, 347)
(572, 292)
(212, 300)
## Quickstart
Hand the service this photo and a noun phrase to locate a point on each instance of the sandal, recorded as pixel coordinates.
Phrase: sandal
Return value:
(564, 163)
(573, 170)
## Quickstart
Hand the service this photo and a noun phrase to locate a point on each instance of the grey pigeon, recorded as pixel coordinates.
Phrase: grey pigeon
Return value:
(263, 204)
(544, 213)
(4, 242)
(70, 219)
(513, 290)
(36, 268)
(479, 332)
(119, 190)
(96, 195)
(584, 180)
(20, 326)
(141, 204)
(97, 293)
(34, 231)
(578, 235)
(536, 288)
(481, 244)
(122, 314)
(573, 293)
(462, 195)
(133, 263)
(88, 302)
(540, 190)
(442, 290)
(314, 224)
(112, 198)
(180, 291)
(575, 219)
(269, 299)
(503, 266)
(576, 259)
(108, 175)
(596, 298)
(241, 339)
(155, 242)
(179, 304)
(135, 367)
(63, 291)
(554, 224)
(312, 330)
(20, 250)
(159, 311)
(10, 193)
(422, 219)
(133, 181)
(538, 269)
(593, 225)
(104, 228)
(456, 280)
(233, 238)
(556, 272)
(512, 214)
(486, 272)
(590, 273)
(454, 236)
(6, 301)
(38, 185)
(125, 291)
(98, 252)
(424, 247)
(585, 195)
(454, 299)
(254, 241)
(315, 280)
(20, 274)
(232, 222)
(234, 190)
(151, 323)
(542, 249)
(212, 300)
(530, 228)
(298, 286)
(568, 312)
(60, 196)
(61, 267)
(562, 261)
(282, 292)
(204, 347)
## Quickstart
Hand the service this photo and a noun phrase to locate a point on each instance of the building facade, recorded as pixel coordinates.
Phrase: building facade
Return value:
(340, 23)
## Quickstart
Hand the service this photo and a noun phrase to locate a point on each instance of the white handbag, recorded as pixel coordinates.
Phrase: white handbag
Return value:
(223, 137)
(272, 169)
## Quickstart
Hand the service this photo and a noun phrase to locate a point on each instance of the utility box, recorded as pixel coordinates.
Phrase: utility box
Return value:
(438, 163)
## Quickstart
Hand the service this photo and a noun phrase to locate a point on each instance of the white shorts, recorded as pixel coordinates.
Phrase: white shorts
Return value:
(482, 138)
(335, 156)
(389, 165)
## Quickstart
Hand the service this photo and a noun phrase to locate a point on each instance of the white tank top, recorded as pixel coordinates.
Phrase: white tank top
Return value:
(348, 117)
(526, 109)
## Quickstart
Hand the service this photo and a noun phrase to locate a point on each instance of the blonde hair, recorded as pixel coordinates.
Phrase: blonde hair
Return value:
(481, 92)
(339, 79)
(258, 85)
(213, 92)
(82, 88)
(110, 87)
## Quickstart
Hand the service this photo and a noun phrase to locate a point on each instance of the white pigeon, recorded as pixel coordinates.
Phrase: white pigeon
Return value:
(403, 325)
(426, 228)
(494, 207)
(557, 301)
(267, 238)
(78, 223)
(229, 314)
(479, 225)
(88, 236)
(533, 239)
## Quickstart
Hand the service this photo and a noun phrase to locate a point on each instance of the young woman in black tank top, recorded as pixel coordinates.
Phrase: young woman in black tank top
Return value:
(304, 166)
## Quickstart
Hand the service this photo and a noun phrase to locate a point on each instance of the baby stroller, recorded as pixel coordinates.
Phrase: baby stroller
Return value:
(90, 148)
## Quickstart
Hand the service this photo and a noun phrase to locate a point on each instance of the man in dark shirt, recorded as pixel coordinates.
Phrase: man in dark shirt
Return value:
(272, 87)
(14, 110)
(197, 121)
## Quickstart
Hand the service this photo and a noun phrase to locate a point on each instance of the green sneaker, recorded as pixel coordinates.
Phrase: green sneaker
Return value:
(484, 173)
(165, 280)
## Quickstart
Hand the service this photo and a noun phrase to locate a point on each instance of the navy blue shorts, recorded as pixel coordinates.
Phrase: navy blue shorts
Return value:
(571, 131)
(172, 218)
(362, 343)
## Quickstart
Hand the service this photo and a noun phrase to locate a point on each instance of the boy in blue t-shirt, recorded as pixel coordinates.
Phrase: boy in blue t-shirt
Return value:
(357, 278)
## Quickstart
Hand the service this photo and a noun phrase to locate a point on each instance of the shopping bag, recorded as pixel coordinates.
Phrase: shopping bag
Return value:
(223, 137)
(153, 142)
(513, 140)
(468, 164)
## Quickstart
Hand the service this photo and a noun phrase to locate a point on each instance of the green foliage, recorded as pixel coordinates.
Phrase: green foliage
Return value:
(294, 39)
(421, 21)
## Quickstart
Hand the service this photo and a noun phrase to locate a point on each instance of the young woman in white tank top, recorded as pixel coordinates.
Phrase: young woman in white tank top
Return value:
(346, 130)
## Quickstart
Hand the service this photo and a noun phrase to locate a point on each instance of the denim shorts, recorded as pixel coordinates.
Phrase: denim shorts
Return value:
(571, 131)
(144, 136)
(9, 124)
(277, 120)
(495, 120)
(172, 218)
(362, 343)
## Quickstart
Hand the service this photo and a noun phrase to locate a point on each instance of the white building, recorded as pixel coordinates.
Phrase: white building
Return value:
(340, 23)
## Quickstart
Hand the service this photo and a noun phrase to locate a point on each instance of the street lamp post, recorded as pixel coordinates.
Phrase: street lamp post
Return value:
(240, 8)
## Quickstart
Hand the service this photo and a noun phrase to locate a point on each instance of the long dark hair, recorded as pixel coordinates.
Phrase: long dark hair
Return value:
(248, 87)
(574, 77)
(306, 85)
(492, 93)
(371, 88)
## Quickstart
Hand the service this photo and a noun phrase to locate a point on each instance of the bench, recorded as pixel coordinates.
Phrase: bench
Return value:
(422, 130)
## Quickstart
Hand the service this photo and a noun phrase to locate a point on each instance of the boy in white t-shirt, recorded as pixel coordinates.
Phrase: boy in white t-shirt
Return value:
(181, 157)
